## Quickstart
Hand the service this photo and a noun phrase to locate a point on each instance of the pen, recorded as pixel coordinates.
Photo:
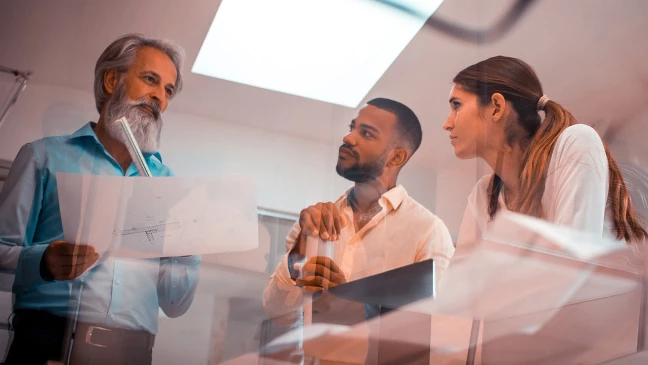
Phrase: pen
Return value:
(133, 149)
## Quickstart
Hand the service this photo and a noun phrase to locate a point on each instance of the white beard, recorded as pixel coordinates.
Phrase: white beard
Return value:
(145, 127)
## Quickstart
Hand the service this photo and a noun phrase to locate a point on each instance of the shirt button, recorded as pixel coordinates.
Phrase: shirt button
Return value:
(350, 248)
(117, 281)
(175, 261)
(112, 315)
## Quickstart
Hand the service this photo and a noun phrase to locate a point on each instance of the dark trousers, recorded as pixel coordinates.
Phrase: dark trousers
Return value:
(39, 337)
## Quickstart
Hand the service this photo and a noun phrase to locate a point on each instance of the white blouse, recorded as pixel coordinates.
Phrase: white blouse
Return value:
(575, 194)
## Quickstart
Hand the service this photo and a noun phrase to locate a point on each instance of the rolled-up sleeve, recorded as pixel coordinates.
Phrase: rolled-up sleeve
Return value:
(177, 284)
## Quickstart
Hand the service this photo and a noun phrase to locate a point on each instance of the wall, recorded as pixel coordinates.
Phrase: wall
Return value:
(455, 182)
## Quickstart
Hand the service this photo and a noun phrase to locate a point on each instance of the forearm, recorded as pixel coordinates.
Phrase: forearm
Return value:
(281, 296)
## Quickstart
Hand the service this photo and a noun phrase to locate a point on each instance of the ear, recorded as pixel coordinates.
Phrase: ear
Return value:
(111, 79)
(498, 103)
(398, 157)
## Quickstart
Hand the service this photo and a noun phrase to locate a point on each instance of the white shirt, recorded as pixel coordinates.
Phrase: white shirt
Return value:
(575, 195)
(402, 233)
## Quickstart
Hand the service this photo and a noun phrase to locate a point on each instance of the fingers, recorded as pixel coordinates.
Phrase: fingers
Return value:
(317, 282)
(309, 220)
(81, 260)
(326, 262)
(324, 268)
(327, 225)
(311, 289)
(323, 219)
(314, 269)
(66, 261)
(71, 249)
(75, 271)
(69, 272)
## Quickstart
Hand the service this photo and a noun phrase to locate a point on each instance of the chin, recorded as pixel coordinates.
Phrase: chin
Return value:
(462, 155)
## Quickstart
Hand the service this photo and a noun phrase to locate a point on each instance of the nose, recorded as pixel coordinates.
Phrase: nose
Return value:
(349, 140)
(159, 96)
(449, 124)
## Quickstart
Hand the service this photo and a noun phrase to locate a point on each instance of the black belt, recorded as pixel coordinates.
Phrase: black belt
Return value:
(93, 335)
(103, 336)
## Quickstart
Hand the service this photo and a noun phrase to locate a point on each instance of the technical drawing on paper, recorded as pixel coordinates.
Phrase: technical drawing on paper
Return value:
(151, 230)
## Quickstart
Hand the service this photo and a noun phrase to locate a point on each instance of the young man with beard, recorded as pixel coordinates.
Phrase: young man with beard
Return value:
(375, 226)
(135, 77)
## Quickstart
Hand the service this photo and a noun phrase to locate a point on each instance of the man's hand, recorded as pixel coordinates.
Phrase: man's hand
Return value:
(320, 273)
(67, 261)
(323, 219)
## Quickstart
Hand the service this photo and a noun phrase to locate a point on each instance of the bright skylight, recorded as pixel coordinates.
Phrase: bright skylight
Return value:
(329, 50)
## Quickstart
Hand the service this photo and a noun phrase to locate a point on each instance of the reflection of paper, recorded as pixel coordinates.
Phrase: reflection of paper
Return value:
(525, 265)
(159, 217)
(528, 275)
(306, 334)
(518, 229)
(634, 359)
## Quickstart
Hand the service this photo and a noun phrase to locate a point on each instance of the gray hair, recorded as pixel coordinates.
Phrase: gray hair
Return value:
(121, 54)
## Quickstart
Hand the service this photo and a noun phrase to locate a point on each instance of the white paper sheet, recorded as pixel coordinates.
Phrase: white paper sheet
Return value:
(141, 217)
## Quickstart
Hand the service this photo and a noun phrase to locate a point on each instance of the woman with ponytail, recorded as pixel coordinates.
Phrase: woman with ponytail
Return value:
(551, 168)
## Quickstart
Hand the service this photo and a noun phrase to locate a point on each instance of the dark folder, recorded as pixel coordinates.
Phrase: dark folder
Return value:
(392, 289)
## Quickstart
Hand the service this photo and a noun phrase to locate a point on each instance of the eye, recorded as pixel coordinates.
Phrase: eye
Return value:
(351, 127)
(367, 134)
(149, 79)
(456, 105)
(169, 91)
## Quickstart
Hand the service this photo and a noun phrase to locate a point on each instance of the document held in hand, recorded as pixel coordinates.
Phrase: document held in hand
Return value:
(141, 217)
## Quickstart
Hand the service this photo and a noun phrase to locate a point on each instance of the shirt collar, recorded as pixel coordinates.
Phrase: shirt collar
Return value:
(87, 132)
(394, 196)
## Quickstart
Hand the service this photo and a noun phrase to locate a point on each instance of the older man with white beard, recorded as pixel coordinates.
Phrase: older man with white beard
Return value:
(135, 77)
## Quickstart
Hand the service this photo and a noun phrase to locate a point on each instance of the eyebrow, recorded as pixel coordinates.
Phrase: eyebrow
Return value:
(366, 126)
(452, 99)
(370, 128)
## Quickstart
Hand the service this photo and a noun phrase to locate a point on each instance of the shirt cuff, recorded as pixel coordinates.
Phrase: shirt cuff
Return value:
(284, 282)
(29, 265)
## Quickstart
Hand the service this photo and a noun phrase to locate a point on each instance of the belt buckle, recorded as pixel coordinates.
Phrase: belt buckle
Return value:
(88, 337)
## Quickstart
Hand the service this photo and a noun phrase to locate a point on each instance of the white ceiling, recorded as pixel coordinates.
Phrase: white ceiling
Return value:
(590, 54)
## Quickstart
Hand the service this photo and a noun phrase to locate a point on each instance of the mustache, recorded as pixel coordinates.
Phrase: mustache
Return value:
(350, 149)
(153, 106)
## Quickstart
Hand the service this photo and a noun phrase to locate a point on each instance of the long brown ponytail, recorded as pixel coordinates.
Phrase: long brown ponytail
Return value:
(518, 83)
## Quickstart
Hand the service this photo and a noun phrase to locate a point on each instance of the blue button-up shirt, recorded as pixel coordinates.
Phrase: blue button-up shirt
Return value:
(124, 293)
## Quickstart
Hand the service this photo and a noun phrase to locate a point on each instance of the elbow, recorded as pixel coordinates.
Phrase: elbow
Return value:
(176, 308)
(172, 310)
